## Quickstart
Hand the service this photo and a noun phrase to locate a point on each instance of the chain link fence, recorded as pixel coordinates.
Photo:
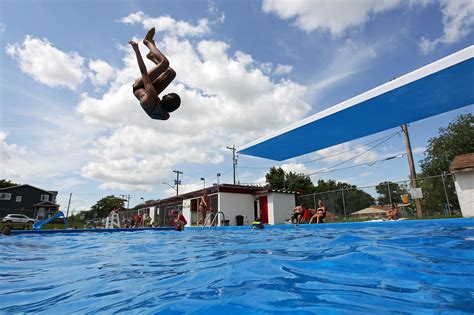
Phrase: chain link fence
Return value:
(438, 198)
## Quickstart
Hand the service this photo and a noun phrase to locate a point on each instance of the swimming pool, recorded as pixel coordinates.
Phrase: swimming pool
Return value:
(403, 267)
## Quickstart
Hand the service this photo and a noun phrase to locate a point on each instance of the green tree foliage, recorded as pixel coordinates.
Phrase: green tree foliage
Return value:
(332, 194)
(298, 182)
(103, 207)
(396, 191)
(456, 139)
(277, 178)
(6, 183)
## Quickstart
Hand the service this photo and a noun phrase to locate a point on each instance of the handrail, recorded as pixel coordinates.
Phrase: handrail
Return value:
(214, 219)
(206, 221)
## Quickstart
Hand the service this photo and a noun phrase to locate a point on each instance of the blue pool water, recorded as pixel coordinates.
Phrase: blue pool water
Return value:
(399, 267)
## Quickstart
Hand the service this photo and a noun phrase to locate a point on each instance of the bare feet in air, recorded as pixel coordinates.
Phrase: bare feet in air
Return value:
(134, 44)
(149, 36)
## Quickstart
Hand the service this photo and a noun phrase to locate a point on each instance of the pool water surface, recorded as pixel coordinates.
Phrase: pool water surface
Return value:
(424, 266)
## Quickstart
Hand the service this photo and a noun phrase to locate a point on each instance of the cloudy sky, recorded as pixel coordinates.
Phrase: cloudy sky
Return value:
(69, 121)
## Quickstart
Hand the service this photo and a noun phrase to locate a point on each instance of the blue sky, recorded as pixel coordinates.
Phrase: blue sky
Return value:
(69, 121)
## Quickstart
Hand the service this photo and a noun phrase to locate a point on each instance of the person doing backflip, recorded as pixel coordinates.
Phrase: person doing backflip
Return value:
(147, 88)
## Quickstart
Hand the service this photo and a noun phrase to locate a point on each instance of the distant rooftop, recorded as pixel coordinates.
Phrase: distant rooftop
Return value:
(462, 162)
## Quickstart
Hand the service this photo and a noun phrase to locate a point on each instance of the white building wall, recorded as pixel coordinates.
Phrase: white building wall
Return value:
(187, 211)
(279, 207)
(151, 213)
(464, 183)
(237, 204)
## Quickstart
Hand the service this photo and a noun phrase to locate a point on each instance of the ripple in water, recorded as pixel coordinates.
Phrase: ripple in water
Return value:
(406, 267)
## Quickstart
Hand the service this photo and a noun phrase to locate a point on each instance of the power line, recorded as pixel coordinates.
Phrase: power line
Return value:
(357, 155)
(387, 137)
(324, 171)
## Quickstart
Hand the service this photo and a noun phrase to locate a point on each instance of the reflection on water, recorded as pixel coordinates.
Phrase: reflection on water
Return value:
(417, 266)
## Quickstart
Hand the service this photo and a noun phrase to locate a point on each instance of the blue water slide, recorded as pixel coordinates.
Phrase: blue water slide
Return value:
(39, 224)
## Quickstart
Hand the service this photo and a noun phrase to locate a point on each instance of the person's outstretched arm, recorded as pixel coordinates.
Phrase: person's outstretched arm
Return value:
(146, 79)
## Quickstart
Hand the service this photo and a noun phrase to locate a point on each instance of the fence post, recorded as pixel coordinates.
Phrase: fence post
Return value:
(445, 192)
(344, 204)
(314, 200)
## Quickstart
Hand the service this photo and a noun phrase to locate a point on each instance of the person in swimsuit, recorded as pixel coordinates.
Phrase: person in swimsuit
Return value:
(320, 213)
(392, 213)
(297, 213)
(180, 222)
(147, 88)
(203, 207)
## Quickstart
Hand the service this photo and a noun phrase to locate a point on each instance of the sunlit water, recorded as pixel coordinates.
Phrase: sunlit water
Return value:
(400, 267)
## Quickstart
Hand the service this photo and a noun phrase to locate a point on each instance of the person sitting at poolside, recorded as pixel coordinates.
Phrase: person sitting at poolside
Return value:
(258, 224)
(320, 213)
(392, 213)
(297, 213)
(180, 221)
(307, 214)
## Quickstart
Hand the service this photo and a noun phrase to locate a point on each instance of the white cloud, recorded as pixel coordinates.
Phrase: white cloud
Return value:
(348, 60)
(101, 72)
(297, 168)
(224, 99)
(168, 25)
(3, 27)
(458, 22)
(334, 16)
(283, 69)
(45, 63)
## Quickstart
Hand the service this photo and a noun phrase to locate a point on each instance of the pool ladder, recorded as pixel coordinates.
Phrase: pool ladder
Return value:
(213, 220)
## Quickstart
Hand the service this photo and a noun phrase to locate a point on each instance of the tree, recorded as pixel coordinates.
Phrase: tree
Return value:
(456, 139)
(298, 182)
(6, 183)
(396, 191)
(338, 196)
(277, 178)
(104, 206)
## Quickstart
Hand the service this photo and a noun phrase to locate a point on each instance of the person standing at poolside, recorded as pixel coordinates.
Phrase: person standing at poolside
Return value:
(320, 213)
(204, 207)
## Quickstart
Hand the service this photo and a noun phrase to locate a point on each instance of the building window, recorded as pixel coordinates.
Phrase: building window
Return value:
(44, 197)
(5, 196)
(18, 198)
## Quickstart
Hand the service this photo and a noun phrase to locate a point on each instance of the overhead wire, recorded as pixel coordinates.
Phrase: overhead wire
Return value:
(384, 138)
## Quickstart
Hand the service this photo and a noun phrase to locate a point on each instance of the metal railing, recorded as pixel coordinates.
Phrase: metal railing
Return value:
(214, 219)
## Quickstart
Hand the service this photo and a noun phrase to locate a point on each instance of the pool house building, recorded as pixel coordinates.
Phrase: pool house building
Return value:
(240, 204)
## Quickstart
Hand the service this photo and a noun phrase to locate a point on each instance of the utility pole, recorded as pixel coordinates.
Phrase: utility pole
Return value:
(234, 160)
(177, 182)
(411, 164)
(126, 197)
(68, 205)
